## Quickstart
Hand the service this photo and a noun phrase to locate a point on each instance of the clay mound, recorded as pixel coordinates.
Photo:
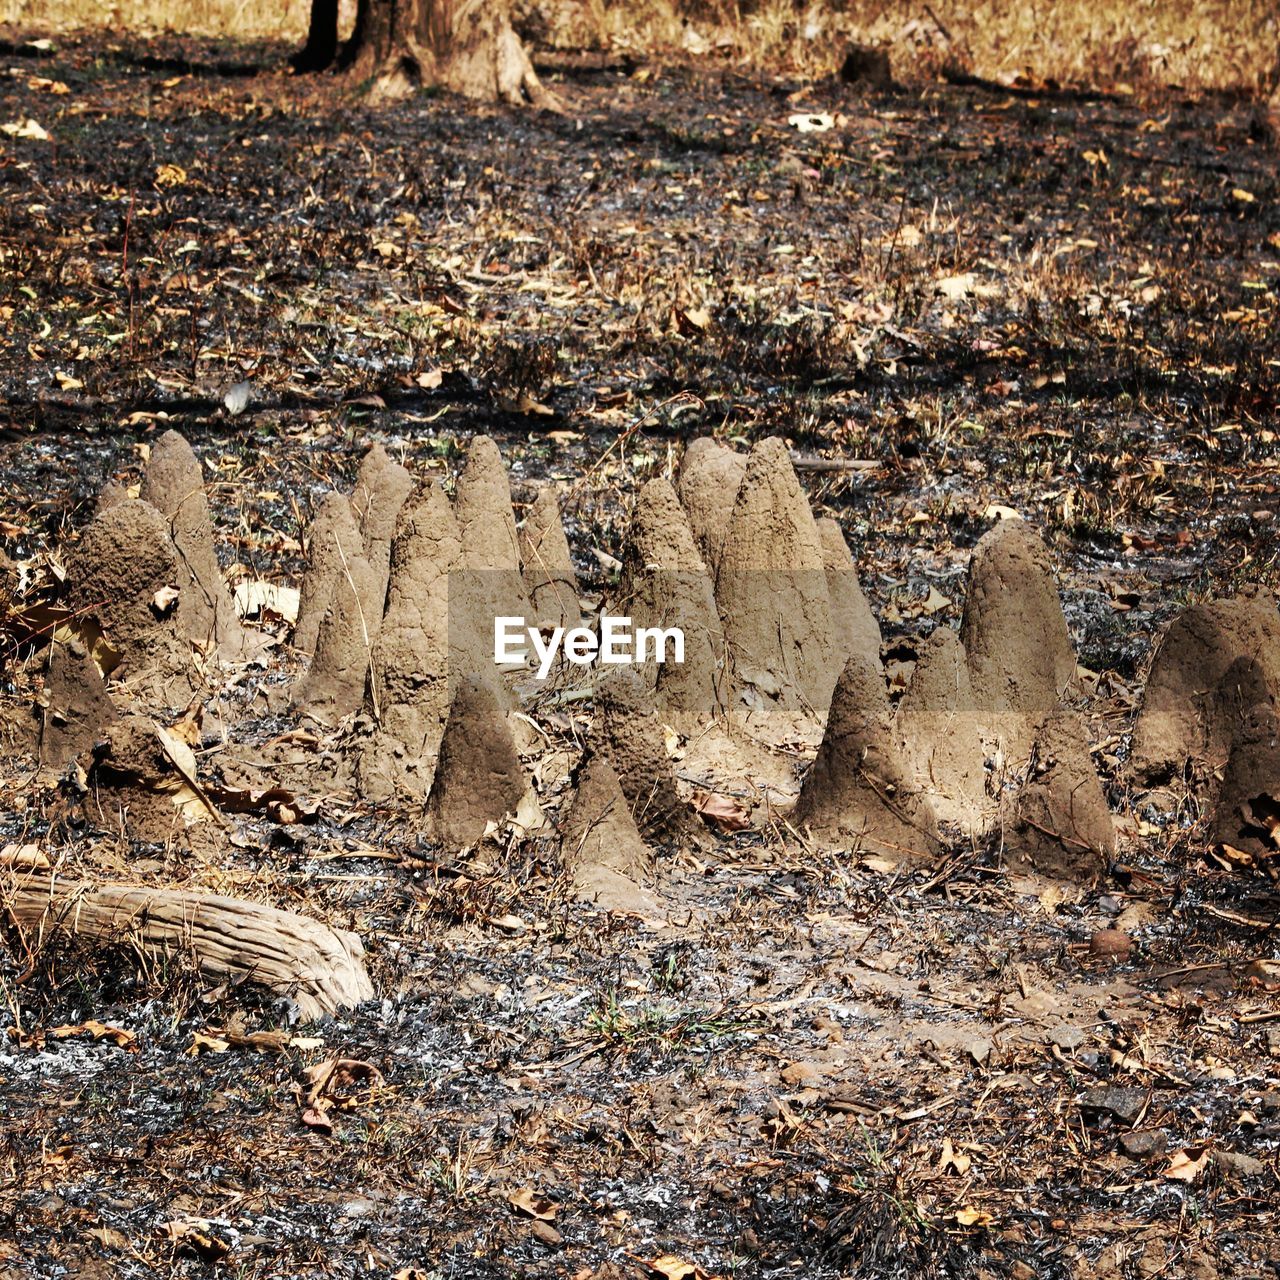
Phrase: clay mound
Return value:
(122, 577)
(665, 584)
(407, 700)
(548, 568)
(938, 728)
(382, 488)
(858, 788)
(174, 485)
(75, 709)
(1190, 710)
(771, 589)
(487, 525)
(708, 483)
(332, 543)
(1015, 635)
(111, 495)
(139, 786)
(632, 739)
(332, 688)
(1247, 815)
(478, 779)
(600, 847)
(856, 628)
(1061, 825)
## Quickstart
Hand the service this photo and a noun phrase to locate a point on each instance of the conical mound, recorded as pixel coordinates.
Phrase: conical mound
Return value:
(858, 788)
(333, 687)
(708, 483)
(382, 487)
(548, 567)
(174, 484)
(1015, 635)
(938, 728)
(490, 545)
(75, 709)
(856, 628)
(121, 577)
(632, 739)
(333, 542)
(407, 700)
(478, 779)
(665, 584)
(600, 847)
(1189, 712)
(771, 589)
(1062, 826)
(1247, 815)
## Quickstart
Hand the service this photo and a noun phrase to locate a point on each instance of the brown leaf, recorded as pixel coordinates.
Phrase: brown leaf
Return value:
(725, 812)
(530, 1203)
(118, 1036)
(315, 1118)
(1184, 1168)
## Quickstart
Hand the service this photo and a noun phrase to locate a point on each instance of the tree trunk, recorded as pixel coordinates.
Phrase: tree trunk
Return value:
(466, 46)
(322, 38)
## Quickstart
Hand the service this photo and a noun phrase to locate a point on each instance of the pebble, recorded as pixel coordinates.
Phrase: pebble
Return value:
(1143, 1144)
(1235, 1164)
(1111, 944)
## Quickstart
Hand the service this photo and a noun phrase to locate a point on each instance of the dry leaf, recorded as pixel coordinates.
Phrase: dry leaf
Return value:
(971, 1217)
(164, 600)
(530, 1203)
(1183, 1168)
(726, 813)
(201, 1043)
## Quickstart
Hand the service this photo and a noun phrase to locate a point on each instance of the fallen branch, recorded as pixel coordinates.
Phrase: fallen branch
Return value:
(322, 969)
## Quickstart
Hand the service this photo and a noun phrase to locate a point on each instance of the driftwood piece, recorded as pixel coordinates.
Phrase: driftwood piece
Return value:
(322, 969)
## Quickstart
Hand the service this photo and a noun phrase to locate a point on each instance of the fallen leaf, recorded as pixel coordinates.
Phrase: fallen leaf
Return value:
(531, 1204)
(1184, 1168)
(725, 812)
(971, 1217)
(25, 129)
(164, 600)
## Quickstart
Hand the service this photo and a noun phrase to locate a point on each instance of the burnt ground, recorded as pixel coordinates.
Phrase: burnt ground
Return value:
(1062, 305)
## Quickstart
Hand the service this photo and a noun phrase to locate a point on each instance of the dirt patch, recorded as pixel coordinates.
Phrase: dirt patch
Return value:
(1015, 636)
(333, 541)
(478, 779)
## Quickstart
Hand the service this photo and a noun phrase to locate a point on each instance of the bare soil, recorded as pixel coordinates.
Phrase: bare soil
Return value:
(1064, 304)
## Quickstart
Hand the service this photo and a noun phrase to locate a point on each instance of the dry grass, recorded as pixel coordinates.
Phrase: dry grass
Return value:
(1195, 44)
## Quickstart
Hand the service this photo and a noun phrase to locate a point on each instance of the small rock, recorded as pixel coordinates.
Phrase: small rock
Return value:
(1067, 1038)
(799, 1074)
(1124, 1104)
(1273, 1041)
(546, 1233)
(237, 398)
(1020, 1271)
(1235, 1164)
(1269, 1100)
(1108, 905)
(1111, 944)
(1143, 1144)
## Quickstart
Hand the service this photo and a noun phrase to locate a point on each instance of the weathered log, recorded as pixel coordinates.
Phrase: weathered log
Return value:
(322, 969)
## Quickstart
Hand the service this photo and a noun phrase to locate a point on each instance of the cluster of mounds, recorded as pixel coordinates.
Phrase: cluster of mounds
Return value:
(394, 640)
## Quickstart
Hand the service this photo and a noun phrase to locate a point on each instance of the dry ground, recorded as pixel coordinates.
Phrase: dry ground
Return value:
(1061, 303)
